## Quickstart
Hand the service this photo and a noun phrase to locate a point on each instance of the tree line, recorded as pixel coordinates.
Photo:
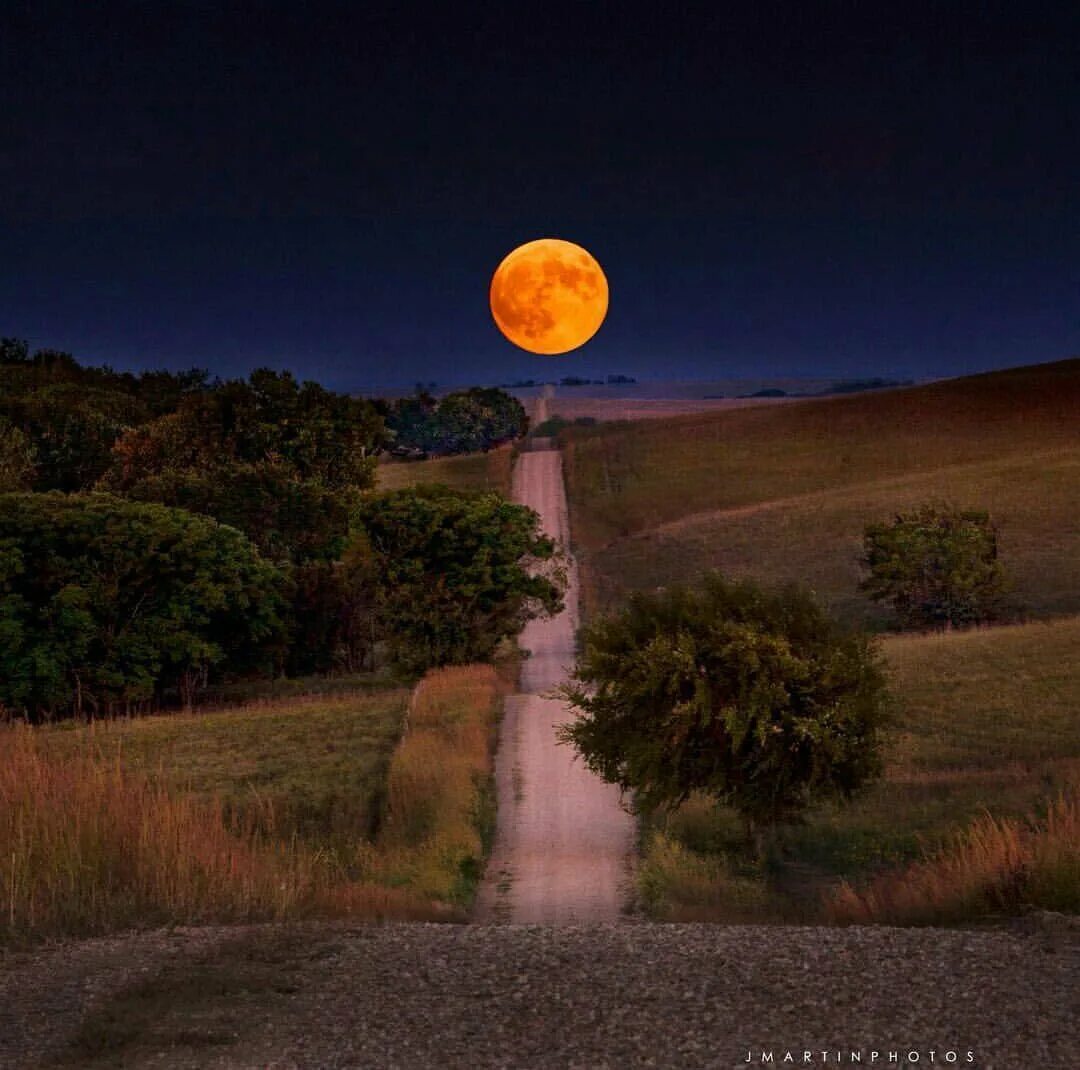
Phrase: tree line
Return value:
(162, 530)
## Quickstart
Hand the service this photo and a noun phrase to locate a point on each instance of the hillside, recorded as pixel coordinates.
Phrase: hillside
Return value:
(783, 492)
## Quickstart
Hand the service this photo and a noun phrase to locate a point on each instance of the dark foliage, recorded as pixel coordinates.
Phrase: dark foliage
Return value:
(453, 571)
(937, 567)
(466, 421)
(105, 603)
(757, 699)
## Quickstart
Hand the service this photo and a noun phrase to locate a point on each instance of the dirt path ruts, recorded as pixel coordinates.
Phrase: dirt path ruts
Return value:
(564, 847)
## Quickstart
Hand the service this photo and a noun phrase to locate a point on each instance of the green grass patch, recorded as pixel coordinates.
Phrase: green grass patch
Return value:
(314, 767)
(469, 471)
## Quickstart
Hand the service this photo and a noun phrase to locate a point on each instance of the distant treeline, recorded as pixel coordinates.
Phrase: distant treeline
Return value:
(842, 386)
(571, 380)
(164, 529)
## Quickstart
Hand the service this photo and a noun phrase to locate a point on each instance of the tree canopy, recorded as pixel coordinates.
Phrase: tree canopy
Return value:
(757, 699)
(461, 422)
(105, 603)
(318, 434)
(456, 572)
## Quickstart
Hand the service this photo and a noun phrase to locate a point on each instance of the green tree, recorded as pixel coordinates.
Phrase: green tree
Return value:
(465, 421)
(456, 572)
(272, 419)
(72, 428)
(106, 604)
(289, 519)
(759, 700)
(936, 566)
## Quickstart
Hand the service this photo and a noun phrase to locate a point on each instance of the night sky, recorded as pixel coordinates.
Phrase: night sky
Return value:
(798, 190)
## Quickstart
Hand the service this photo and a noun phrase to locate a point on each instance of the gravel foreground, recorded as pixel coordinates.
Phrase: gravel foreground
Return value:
(623, 995)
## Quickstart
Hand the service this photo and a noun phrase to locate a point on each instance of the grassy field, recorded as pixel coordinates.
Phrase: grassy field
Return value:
(312, 766)
(985, 723)
(783, 492)
(370, 805)
(471, 471)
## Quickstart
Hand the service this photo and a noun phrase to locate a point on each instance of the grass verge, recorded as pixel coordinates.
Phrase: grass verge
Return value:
(996, 866)
(441, 802)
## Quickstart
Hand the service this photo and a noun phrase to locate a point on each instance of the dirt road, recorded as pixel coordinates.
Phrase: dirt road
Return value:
(564, 847)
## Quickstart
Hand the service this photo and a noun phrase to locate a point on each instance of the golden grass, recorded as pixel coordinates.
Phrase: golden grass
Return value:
(996, 866)
(440, 792)
(318, 762)
(88, 845)
(469, 471)
(267, 812)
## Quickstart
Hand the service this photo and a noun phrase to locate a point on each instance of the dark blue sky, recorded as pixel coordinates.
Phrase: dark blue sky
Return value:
(793, 189)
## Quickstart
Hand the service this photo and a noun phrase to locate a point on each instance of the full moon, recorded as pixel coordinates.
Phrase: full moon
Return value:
(549, 296)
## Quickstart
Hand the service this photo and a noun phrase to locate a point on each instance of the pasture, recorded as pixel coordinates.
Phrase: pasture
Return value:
(324, 806)
(467, 471)
(782, 493)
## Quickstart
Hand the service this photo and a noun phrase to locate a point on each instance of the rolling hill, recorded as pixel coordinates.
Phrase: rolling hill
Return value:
(783, 492)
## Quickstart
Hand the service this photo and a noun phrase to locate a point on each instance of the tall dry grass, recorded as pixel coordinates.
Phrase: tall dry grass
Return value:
(996, 866)
(88, 846)
(440, 793)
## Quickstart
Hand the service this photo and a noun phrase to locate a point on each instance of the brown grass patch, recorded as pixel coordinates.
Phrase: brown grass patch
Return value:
(996, 866)
(88, 845)
(468, 471)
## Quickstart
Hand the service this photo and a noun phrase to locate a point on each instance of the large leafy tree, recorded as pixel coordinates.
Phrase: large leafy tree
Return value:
(272, 419)
(465, 421)
(936, 566)
(757, 699)
(289, 519)
(72, 428)
(106, 604)
(456, 572)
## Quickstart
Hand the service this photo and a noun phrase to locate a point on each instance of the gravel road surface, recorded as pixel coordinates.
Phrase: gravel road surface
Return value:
(564, 846)
(626, 995)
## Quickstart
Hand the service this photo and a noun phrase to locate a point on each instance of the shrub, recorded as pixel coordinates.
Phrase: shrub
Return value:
(937, 567)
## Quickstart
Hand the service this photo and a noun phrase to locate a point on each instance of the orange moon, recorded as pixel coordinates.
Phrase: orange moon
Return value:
(549, 296)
